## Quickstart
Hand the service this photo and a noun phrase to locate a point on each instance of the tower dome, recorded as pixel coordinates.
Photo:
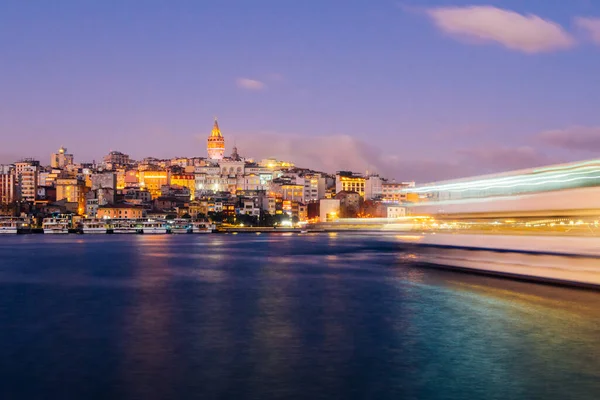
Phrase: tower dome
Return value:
(216, 143)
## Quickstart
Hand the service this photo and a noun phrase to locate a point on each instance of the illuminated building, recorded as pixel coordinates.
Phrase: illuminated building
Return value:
(329, 210)
(120, 211)
(152, 181)
(396, 212)
(8, 184)
(72, 191)
(127, 178)
(350, 182)
(314, 187)
(274, 164)
(393, 192)
(61, 159)
(216, 143)
(293, 192)
(187, 181)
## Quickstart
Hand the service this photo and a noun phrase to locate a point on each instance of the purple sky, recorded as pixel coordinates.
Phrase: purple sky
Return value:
(418, 90)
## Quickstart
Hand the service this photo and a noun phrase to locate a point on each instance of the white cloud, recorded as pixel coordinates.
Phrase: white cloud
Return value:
(574, 138)
(526, 33)
(591, 26)
(250, 84)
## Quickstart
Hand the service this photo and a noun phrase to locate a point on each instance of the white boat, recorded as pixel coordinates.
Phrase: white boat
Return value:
(123, 226)
(10, 225)
(564, 259)
(202, 227)
(181, 226)
(152, 227)
(56, 225)
(94, 226)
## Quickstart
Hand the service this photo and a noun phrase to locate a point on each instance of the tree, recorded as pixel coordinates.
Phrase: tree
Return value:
(216, 216)
(201, 216)
(186, 216)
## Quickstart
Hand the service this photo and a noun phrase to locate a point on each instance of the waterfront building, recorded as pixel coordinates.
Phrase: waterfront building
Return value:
(350, 203)
(329, 209)
(396, 211)
(120, 211)
(8, 184)
(350, 182)
(27, 179)
(373, 187)
(314, 187)
(393, 192)
(216, 143)
(249, 207)
(91, 207)
(72, 190)
(61, 159)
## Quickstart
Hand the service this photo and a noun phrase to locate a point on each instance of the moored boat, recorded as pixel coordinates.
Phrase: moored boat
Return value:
(94, 226)
(57, 224)
(202, 227)
(181, 226)
(123, 226)
(11, 225)
(152, 227)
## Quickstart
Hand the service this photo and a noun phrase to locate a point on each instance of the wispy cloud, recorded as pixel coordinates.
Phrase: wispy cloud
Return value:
(525, 33)
(332, 153)
(591, 26)
(250, 84)
(578, 138)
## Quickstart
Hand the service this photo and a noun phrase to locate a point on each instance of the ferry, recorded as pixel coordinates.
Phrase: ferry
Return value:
(57, 224)
(94, 226)
(181, 226)
(11, 225)
(123, 226)
(152, 227)
(202, 227)
(540, 224)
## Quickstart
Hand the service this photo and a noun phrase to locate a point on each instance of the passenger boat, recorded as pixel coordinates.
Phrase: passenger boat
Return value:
(540, 224)
(57, 224)
(11, 225)
(122, 226)
(202, 227)
(94, 226)
(152, 227)
(181, 226)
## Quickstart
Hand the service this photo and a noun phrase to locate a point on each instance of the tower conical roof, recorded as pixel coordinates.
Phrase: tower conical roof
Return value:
(216, 132)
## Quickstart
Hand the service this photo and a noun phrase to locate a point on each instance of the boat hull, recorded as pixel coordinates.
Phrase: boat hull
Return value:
(55, 231)
(124, 231)
(154, 231)
(567, 260)
(181, 230)
(8, 231)
(94, 230)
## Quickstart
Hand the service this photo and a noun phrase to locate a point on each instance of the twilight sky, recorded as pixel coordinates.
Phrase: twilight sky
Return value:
(421, 89)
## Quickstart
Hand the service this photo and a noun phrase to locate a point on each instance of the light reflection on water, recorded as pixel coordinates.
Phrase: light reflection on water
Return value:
(272, 316)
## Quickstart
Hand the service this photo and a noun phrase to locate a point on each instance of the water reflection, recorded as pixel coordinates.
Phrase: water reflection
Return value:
(270, 317)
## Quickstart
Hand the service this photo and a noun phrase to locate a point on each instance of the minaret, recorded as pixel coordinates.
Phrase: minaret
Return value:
(216, 143)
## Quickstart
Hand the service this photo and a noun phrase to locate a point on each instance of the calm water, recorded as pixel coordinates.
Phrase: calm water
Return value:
(279, 317)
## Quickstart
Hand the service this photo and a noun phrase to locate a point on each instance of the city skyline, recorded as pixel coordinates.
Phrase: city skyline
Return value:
(326, 89)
